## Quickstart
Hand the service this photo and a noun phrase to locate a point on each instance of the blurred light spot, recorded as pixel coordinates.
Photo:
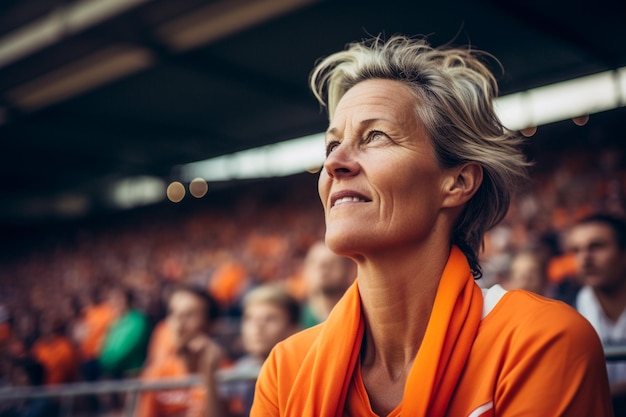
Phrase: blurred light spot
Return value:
(581, 120)
(137, 191)
(281, 159)
(314, 170)
(71, 205)
(175, 192)
(528, 132)
(198, 187)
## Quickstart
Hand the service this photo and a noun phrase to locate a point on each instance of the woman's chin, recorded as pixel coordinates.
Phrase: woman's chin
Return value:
(343, 243)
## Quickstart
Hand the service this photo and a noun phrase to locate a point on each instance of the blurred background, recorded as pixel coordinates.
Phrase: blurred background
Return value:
(123, 122)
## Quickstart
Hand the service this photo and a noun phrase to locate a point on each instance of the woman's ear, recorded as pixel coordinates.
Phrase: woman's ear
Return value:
(462, 184)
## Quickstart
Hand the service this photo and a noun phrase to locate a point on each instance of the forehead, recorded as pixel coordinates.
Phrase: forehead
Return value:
(377, 98)
(182, 301)
(525, 260)
(591, 232)
(264, 308)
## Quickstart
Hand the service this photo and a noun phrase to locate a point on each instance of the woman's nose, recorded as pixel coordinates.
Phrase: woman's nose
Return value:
(342, 161)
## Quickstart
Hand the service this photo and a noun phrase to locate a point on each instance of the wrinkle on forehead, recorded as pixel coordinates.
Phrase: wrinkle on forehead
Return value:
(373, 100)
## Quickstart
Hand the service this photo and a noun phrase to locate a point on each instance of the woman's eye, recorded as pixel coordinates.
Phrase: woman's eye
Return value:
(375, 135)
(331, 146)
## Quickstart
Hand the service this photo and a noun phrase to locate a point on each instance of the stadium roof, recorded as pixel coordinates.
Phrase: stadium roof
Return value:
(93, 92)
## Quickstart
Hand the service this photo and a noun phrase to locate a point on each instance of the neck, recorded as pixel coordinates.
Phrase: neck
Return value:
(397, 315)
(613, 302)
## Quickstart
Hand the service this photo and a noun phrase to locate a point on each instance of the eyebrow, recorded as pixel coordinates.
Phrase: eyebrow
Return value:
(362, 123)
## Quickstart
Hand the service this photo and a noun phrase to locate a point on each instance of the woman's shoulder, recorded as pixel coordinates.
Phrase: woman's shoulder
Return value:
(527, 303)
(523, 315)
(297, 345)
(281, 367)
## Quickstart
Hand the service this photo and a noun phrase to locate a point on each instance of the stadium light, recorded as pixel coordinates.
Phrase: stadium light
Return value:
(63, 21)
(96, 69)
(220, 19)
(282, 159)
(522, 111)
(519, 111)
(564, 100)
(136, 191)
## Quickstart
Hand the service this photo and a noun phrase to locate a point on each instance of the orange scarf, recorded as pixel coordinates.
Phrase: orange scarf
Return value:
(321, 386)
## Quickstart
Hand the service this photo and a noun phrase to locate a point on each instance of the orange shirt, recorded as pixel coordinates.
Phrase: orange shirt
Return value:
(161, 342)
(562, 267)
(97, 321)
(530, 357)
(184, 402)
(58, 357)
(228, 282)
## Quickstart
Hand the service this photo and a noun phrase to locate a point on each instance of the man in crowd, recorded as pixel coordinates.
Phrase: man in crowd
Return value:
(327, 276)
(599, 246)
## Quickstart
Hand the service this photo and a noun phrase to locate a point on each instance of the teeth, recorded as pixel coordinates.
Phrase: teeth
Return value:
(347, 199)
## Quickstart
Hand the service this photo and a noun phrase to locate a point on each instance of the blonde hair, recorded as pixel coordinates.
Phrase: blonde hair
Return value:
(277, 295)
(454, 92)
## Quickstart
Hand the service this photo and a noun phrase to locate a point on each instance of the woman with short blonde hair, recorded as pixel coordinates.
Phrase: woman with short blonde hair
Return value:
(418, 167)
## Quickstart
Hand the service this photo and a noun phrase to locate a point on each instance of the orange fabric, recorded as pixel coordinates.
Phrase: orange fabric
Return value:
(297, 286)
(58, 357)
(228, 282)
(97, 321)
(560, 218)
(324, 376)
(529, 357)
(161, 342)
(189, 402)
(562, 267)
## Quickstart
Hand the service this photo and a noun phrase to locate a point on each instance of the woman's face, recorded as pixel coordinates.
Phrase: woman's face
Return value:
(381, 186)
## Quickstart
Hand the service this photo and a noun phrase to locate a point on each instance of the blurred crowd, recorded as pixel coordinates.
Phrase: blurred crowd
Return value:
(171, 291)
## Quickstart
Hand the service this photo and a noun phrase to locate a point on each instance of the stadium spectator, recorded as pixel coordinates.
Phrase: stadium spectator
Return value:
(327, 277)
(527, 271)
(270, 314)
(125, 344)
(97, 317)
(599, 245)
(55, 351)
(191, 314)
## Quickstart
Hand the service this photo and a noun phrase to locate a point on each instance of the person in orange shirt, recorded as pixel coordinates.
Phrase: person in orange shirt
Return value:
(98, 315)
(162, 342)
(418, 167)
(192, 351)
(55, 352)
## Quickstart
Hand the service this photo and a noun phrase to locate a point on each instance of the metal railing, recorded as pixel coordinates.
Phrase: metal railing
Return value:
(131, 387)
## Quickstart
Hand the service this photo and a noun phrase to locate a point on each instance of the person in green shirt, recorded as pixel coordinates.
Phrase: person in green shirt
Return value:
(125, 345)
(327, 276)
